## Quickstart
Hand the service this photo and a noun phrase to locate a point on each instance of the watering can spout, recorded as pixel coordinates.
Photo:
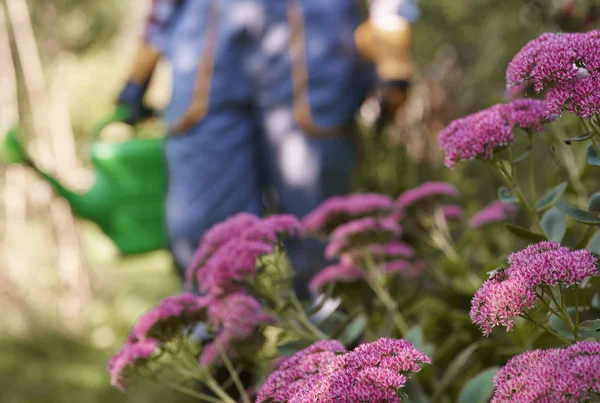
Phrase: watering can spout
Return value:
(12, 152)
(128, 196)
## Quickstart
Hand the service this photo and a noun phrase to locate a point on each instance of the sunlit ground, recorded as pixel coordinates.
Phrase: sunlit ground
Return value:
(45, 366)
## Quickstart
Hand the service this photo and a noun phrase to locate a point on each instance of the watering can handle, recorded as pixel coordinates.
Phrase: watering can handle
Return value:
(120, 113)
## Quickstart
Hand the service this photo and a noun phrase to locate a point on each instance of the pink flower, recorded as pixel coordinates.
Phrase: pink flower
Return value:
(510, 291)
(579, 95)
(231, 264)
(452, 212)
(241, 229)
(270, 228)
(373, 372)
(494, 212)
(406, 270)
(550, 264)
(526, 113)
(554, 58)
(236, 314)
(299, 370)
(217, 236)
(479, 134)
(567, 64)
(361, 233)
(339, 210)
(556, 375)
(235, 317)
(424, 191)
(393, 249)
(499, 300)
(165, 320)
(476, 136)
(124, 363)
(339, 273)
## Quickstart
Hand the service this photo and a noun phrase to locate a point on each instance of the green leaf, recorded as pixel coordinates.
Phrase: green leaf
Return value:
(551, 197)
(583, 137)
(525, 234)
(554, 223)
(523, 156)
(582, 216)
(506, 195)
(415, 336)
(594, 244)
(354, 330)
(592, 156)
(11, 149)
(454, 369)
(590, 325)
(479, 389)
(594, 203)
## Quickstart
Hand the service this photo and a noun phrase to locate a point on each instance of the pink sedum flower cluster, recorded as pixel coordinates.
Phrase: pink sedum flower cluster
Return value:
(580, 96)
(566, 64)
(452, 212)
(566, 375)
(424, 191)
(373, 372)
(361, 233)
(228, 251)
(132, 355)
(553, 58)
(234, 317)
(158, 325)
(339, 210)
(510, 291)
(478, 135)
(494, 212)
(166, 319)
(344, 272)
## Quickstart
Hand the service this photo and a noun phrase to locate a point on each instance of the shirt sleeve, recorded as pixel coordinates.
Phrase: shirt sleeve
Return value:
(389, 13)
(162, 13)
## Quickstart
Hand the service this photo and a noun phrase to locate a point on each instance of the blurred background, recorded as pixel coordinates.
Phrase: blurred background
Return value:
(67, 299)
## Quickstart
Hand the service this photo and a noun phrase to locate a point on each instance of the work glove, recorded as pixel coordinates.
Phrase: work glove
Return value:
(390, 49)
(132, 96)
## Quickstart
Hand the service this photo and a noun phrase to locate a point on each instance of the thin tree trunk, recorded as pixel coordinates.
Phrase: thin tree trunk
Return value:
(58, 142)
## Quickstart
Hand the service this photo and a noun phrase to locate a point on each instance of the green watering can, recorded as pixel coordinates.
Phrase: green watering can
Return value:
(127, 199)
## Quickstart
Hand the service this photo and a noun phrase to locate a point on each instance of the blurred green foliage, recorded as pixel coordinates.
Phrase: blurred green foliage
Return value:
(476, 38)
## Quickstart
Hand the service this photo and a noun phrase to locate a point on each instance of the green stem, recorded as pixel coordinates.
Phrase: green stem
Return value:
(567, 317)
(547, 329)
(577, 308)
(509, 180)
(531, 209)
(383, 295)
(305, 321)
(233, 373)
(595, 144)
(532, 172)
(188, 391)
(214, 386)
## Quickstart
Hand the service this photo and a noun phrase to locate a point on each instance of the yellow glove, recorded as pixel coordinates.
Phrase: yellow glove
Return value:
(389, 47)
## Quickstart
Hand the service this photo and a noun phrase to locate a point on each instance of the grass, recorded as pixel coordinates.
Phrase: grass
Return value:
(44, 364)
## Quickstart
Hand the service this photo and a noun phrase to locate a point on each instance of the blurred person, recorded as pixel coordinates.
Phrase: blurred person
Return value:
(264, 97)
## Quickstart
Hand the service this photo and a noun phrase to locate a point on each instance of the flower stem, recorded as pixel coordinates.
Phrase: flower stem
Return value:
(577, 308)
(567, 316)
(383, 295)
(189, 391)
(547, 329)
(233, 373)
(305, 321)
(214, 386)
(532, 171)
